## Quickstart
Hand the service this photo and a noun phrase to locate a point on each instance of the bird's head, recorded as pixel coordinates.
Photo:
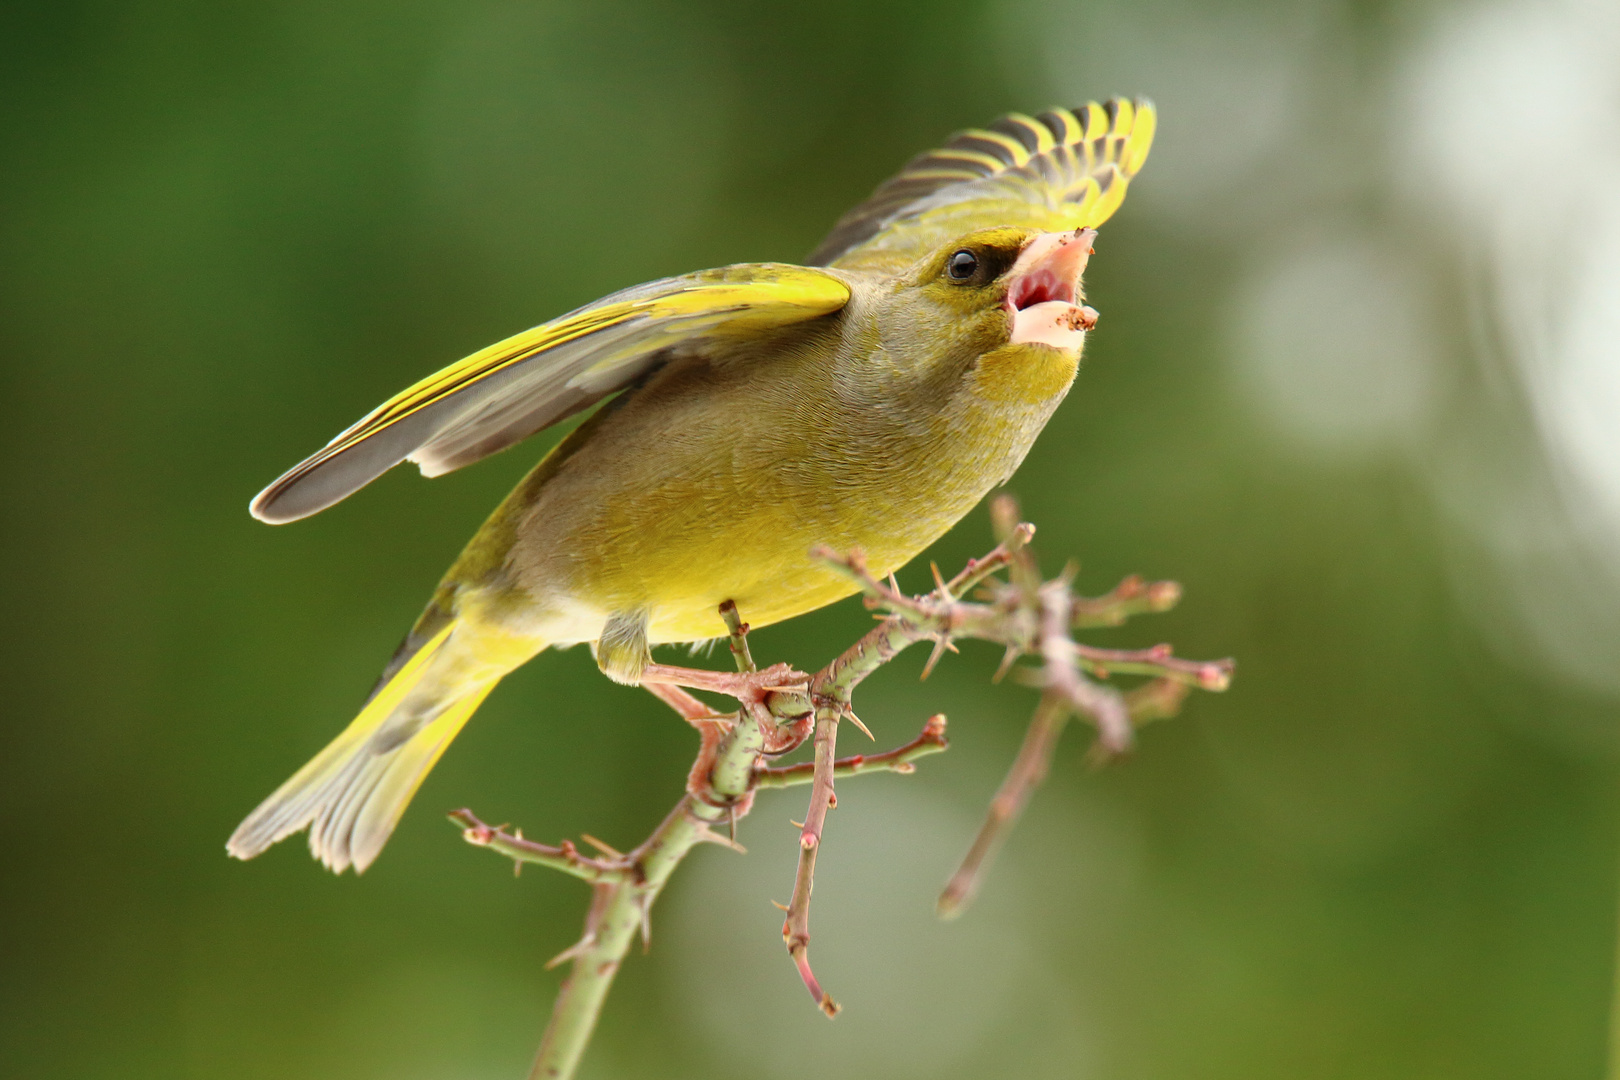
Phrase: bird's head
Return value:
(1013, 286)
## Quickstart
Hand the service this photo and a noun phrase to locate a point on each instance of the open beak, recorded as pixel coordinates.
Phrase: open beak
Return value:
(1044, 289)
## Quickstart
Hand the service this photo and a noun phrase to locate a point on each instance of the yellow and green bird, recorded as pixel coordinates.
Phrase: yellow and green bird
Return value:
(869, 399)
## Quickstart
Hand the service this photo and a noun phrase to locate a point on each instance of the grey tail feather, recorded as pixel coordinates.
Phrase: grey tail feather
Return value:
(346, 804)
(329, 807)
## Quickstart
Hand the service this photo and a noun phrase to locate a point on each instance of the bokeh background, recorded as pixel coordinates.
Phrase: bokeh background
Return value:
(1356, 385)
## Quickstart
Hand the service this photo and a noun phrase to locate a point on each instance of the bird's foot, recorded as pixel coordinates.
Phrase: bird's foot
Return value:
(782, 729)
(748, 687)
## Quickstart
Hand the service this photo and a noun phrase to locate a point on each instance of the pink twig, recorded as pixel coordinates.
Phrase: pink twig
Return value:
(796, 927)
(1026, 774)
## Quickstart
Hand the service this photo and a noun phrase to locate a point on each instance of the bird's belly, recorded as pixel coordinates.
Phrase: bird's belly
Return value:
(760, 560)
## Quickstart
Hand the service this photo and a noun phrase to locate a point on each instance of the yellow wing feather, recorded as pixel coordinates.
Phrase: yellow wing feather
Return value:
(511, 389)
(1065, 169)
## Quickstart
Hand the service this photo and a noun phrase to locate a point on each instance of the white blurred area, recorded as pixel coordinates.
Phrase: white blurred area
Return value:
(1425, 242)
(1513, 139)
(1333, 345)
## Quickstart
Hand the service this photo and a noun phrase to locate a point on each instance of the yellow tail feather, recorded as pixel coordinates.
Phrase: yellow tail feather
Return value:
(352, 794)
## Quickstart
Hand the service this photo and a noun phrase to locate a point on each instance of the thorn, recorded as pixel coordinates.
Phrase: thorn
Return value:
(711, 837)
(517, 868)
(611, 853)
(796, 824)
(518, 833)
(645, 904)
(857, 722)
(894, 583)
(1007, 660)
(939, 582)
(779, 906)
(904, 768)
(573, 951)
(941, 643)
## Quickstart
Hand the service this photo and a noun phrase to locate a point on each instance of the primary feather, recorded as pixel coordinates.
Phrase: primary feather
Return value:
(508, 391)
(1064, 169)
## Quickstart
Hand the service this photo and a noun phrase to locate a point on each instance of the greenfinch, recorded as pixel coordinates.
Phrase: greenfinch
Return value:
(866, 400)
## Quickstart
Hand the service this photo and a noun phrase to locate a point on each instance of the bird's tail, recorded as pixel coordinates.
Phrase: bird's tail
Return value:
(351, 795)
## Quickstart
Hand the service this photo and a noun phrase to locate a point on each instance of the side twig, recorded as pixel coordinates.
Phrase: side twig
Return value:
(899, 760)
(1028, 770)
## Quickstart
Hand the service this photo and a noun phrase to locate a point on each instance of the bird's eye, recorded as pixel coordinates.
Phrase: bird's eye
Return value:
(961, 265)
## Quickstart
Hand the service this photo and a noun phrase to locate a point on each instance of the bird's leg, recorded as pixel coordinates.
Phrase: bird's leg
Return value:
(748, 687)
(690, 709)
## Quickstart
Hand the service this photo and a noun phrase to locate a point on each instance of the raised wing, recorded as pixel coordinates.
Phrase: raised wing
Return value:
(514, 388)
(1064, 169)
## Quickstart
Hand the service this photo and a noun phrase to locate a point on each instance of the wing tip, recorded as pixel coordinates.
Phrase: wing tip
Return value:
(263, 507)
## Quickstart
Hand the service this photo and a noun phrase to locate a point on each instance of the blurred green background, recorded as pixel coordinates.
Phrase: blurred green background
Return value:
(1356, 385)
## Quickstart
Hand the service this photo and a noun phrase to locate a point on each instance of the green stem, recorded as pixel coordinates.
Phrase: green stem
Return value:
(737, 637)
(621, 905)
(618, 911)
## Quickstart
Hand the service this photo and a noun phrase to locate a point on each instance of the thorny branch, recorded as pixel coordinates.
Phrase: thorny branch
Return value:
(1000, 598)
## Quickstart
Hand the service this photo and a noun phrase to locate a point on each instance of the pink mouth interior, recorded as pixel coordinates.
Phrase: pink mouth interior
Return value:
(1039, 286)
